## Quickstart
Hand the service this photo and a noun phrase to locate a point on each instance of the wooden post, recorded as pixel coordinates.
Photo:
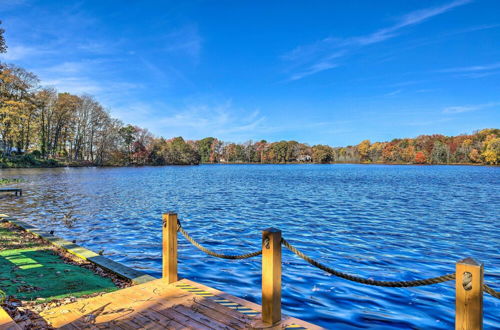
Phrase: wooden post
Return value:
(271, 276)
(469, 295)
(170, 247)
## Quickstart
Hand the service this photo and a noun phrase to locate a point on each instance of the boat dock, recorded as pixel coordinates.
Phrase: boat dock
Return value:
(166, 303)
(159, 305)
(174, 303)
(16, 191)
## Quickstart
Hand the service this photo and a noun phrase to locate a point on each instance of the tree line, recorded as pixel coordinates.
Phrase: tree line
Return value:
(41, 126)
(481, 147)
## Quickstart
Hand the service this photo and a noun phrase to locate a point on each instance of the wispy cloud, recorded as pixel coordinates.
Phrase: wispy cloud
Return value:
(425, 90)
(196, 120)
(83, 77)
(467, 108)
(70, 67)
(474, 71)
(393, 93)
(325, 54)
(220, 120)
(19, 52)
(427, 123)
(74, 85)
(317, 67)
(185, 40)
(473, 68)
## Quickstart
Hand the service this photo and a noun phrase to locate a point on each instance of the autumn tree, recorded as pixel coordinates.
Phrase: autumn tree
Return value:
(364, 149)
(491, 153)
(375, 151)
(440, 153)
(3, 45)
(176, 151)
(322, 154)
(16, 107)
(420, 158)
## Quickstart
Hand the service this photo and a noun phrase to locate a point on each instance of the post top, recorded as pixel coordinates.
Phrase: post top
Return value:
(272, 230)
(469, 261)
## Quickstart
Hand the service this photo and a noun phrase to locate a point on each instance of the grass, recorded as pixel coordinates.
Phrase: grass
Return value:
(27, 160)
(4, 181)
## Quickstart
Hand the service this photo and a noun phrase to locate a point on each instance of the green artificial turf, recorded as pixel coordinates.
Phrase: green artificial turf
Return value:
(30, 270)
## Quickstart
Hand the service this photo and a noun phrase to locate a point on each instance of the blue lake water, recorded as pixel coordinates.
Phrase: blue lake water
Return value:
(377, 221)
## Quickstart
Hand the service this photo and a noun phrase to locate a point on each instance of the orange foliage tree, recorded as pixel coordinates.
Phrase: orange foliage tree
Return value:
(420, 158)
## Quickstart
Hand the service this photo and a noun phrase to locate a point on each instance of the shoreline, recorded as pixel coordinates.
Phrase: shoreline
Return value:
(240, 163)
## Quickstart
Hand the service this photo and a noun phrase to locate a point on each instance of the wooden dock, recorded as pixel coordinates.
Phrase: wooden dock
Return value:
(158, 305)
(16, 191)
(166, 303)
(6, 322)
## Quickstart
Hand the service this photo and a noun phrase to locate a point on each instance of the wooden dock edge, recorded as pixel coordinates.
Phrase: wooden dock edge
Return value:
(287, 322)
(135, 276)
(6, 322)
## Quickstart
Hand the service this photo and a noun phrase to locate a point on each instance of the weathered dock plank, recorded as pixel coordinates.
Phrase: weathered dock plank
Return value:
(157, 304)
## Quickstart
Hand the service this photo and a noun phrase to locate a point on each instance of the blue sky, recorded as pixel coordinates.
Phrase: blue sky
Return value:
(333, 72)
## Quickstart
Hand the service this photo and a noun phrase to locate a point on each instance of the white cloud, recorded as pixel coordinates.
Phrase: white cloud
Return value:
(195, 121)
(66, 68)
(322, 55)
(473, 68)
(74, 85)
(19, 52)
(318, 67)
(474, 71)
(467, 108)
(393, 93)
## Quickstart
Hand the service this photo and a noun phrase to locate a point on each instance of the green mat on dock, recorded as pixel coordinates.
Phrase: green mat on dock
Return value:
(34, 271)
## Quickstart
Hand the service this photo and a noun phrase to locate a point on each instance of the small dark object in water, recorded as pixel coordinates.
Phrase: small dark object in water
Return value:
(52, 232)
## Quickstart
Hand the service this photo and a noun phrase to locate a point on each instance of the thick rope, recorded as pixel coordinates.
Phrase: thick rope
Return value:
(490, 290)
(392, 284)
(212, 253)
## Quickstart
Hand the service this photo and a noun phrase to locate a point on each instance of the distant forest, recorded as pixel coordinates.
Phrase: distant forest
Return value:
(43, 127)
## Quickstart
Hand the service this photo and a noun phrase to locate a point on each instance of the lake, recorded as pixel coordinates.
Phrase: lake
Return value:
(379, 221)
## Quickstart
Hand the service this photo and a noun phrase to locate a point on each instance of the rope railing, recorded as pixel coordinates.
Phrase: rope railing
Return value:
(469, 274)
(491, 291)
(343, 275)
(212, 253)
(391, 284)
(367, 281)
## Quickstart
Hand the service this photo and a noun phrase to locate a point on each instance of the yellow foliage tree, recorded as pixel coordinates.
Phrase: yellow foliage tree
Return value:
(491, 154)
(363, 149)
(12, 117)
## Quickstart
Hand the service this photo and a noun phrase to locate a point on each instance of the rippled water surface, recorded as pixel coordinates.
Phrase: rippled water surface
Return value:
(382, 222)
